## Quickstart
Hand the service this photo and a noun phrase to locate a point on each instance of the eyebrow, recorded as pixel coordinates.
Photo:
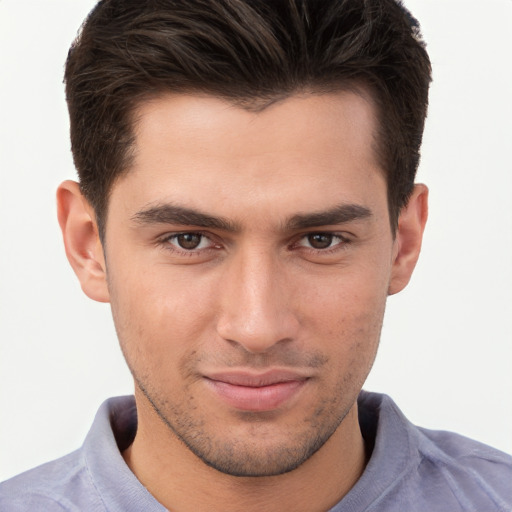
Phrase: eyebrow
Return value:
(338, 215)
(173, 214)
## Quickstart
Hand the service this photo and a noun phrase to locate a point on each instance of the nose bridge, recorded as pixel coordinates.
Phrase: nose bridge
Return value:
(255, 308)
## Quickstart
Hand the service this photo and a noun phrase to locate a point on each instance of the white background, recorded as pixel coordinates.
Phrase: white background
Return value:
(446, 355)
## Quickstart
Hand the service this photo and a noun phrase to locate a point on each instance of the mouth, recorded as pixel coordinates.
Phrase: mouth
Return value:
(247, 391)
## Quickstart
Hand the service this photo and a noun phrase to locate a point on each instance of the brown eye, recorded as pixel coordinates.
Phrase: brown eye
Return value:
(189, 241)
(320, 240)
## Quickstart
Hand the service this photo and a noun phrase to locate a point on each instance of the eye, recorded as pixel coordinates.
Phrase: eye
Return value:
(189, 241)
(321, 241)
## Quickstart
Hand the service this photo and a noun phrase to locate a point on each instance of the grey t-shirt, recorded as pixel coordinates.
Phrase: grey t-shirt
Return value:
(410, 470)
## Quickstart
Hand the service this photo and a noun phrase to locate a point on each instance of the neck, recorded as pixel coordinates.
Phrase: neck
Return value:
(182, 482)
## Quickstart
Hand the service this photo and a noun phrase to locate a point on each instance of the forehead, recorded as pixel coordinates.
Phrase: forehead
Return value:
(299, 123)
(203, 151)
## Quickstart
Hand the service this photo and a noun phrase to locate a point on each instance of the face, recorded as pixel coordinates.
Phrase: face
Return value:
(249, 258)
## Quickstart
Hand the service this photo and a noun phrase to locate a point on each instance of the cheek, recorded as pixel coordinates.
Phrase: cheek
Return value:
(159, 318)
(346, 300)
(345, 318)
(160, 296)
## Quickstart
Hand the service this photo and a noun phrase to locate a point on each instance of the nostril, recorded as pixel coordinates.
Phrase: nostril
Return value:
(259, 336)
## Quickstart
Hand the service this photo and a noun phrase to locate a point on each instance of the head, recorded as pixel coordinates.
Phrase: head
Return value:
(246, 204)
(251, 54)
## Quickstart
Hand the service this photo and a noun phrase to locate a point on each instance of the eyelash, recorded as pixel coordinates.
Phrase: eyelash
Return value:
(342, 244)
(165, 242)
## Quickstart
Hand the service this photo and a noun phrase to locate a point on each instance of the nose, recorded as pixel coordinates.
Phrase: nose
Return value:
(256, 309)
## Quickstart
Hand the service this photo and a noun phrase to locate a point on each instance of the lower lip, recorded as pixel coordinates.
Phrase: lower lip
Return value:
(256, 399)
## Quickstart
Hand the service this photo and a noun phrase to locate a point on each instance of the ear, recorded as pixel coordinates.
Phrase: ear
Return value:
(81, 240)
(411, 224)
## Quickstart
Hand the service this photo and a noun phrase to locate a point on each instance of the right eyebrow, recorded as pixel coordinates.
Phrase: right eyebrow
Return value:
(340, 214)
(172, 214)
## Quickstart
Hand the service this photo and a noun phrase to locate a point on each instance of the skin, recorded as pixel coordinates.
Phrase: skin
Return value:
(287, 264)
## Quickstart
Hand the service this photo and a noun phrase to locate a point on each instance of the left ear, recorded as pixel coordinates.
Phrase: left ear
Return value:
(409, 235)
(81, 240)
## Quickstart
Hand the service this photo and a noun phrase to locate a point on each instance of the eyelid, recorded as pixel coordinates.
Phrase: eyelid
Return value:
(165, 242)
(333, 235)
(344, 240)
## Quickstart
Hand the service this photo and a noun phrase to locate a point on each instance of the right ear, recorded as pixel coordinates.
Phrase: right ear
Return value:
(81, 240)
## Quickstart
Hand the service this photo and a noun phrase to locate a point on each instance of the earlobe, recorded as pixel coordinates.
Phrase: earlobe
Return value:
(81, 240)
(409, 236)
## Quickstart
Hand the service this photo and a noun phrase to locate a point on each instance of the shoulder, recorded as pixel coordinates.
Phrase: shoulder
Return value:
(468, 473)
(432, 470)
(93, 478)
(52, 487)
(455, 447)
(472, 459)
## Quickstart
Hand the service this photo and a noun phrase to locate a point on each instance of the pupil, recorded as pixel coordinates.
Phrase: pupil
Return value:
(189, 240)
(320, 241)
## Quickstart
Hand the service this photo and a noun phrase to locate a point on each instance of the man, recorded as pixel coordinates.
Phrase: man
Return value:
(246, 204)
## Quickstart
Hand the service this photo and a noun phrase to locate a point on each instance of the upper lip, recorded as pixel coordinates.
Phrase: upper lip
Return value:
(251, 379)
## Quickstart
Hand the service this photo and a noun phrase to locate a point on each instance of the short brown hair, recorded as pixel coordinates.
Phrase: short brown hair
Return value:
(249, 52)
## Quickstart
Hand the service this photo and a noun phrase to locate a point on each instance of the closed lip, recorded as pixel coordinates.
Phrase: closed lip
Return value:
(255, 380)
(256, 392)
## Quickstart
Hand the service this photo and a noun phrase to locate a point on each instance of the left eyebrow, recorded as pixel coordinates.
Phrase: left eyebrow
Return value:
(338, 215)
(179, 215)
